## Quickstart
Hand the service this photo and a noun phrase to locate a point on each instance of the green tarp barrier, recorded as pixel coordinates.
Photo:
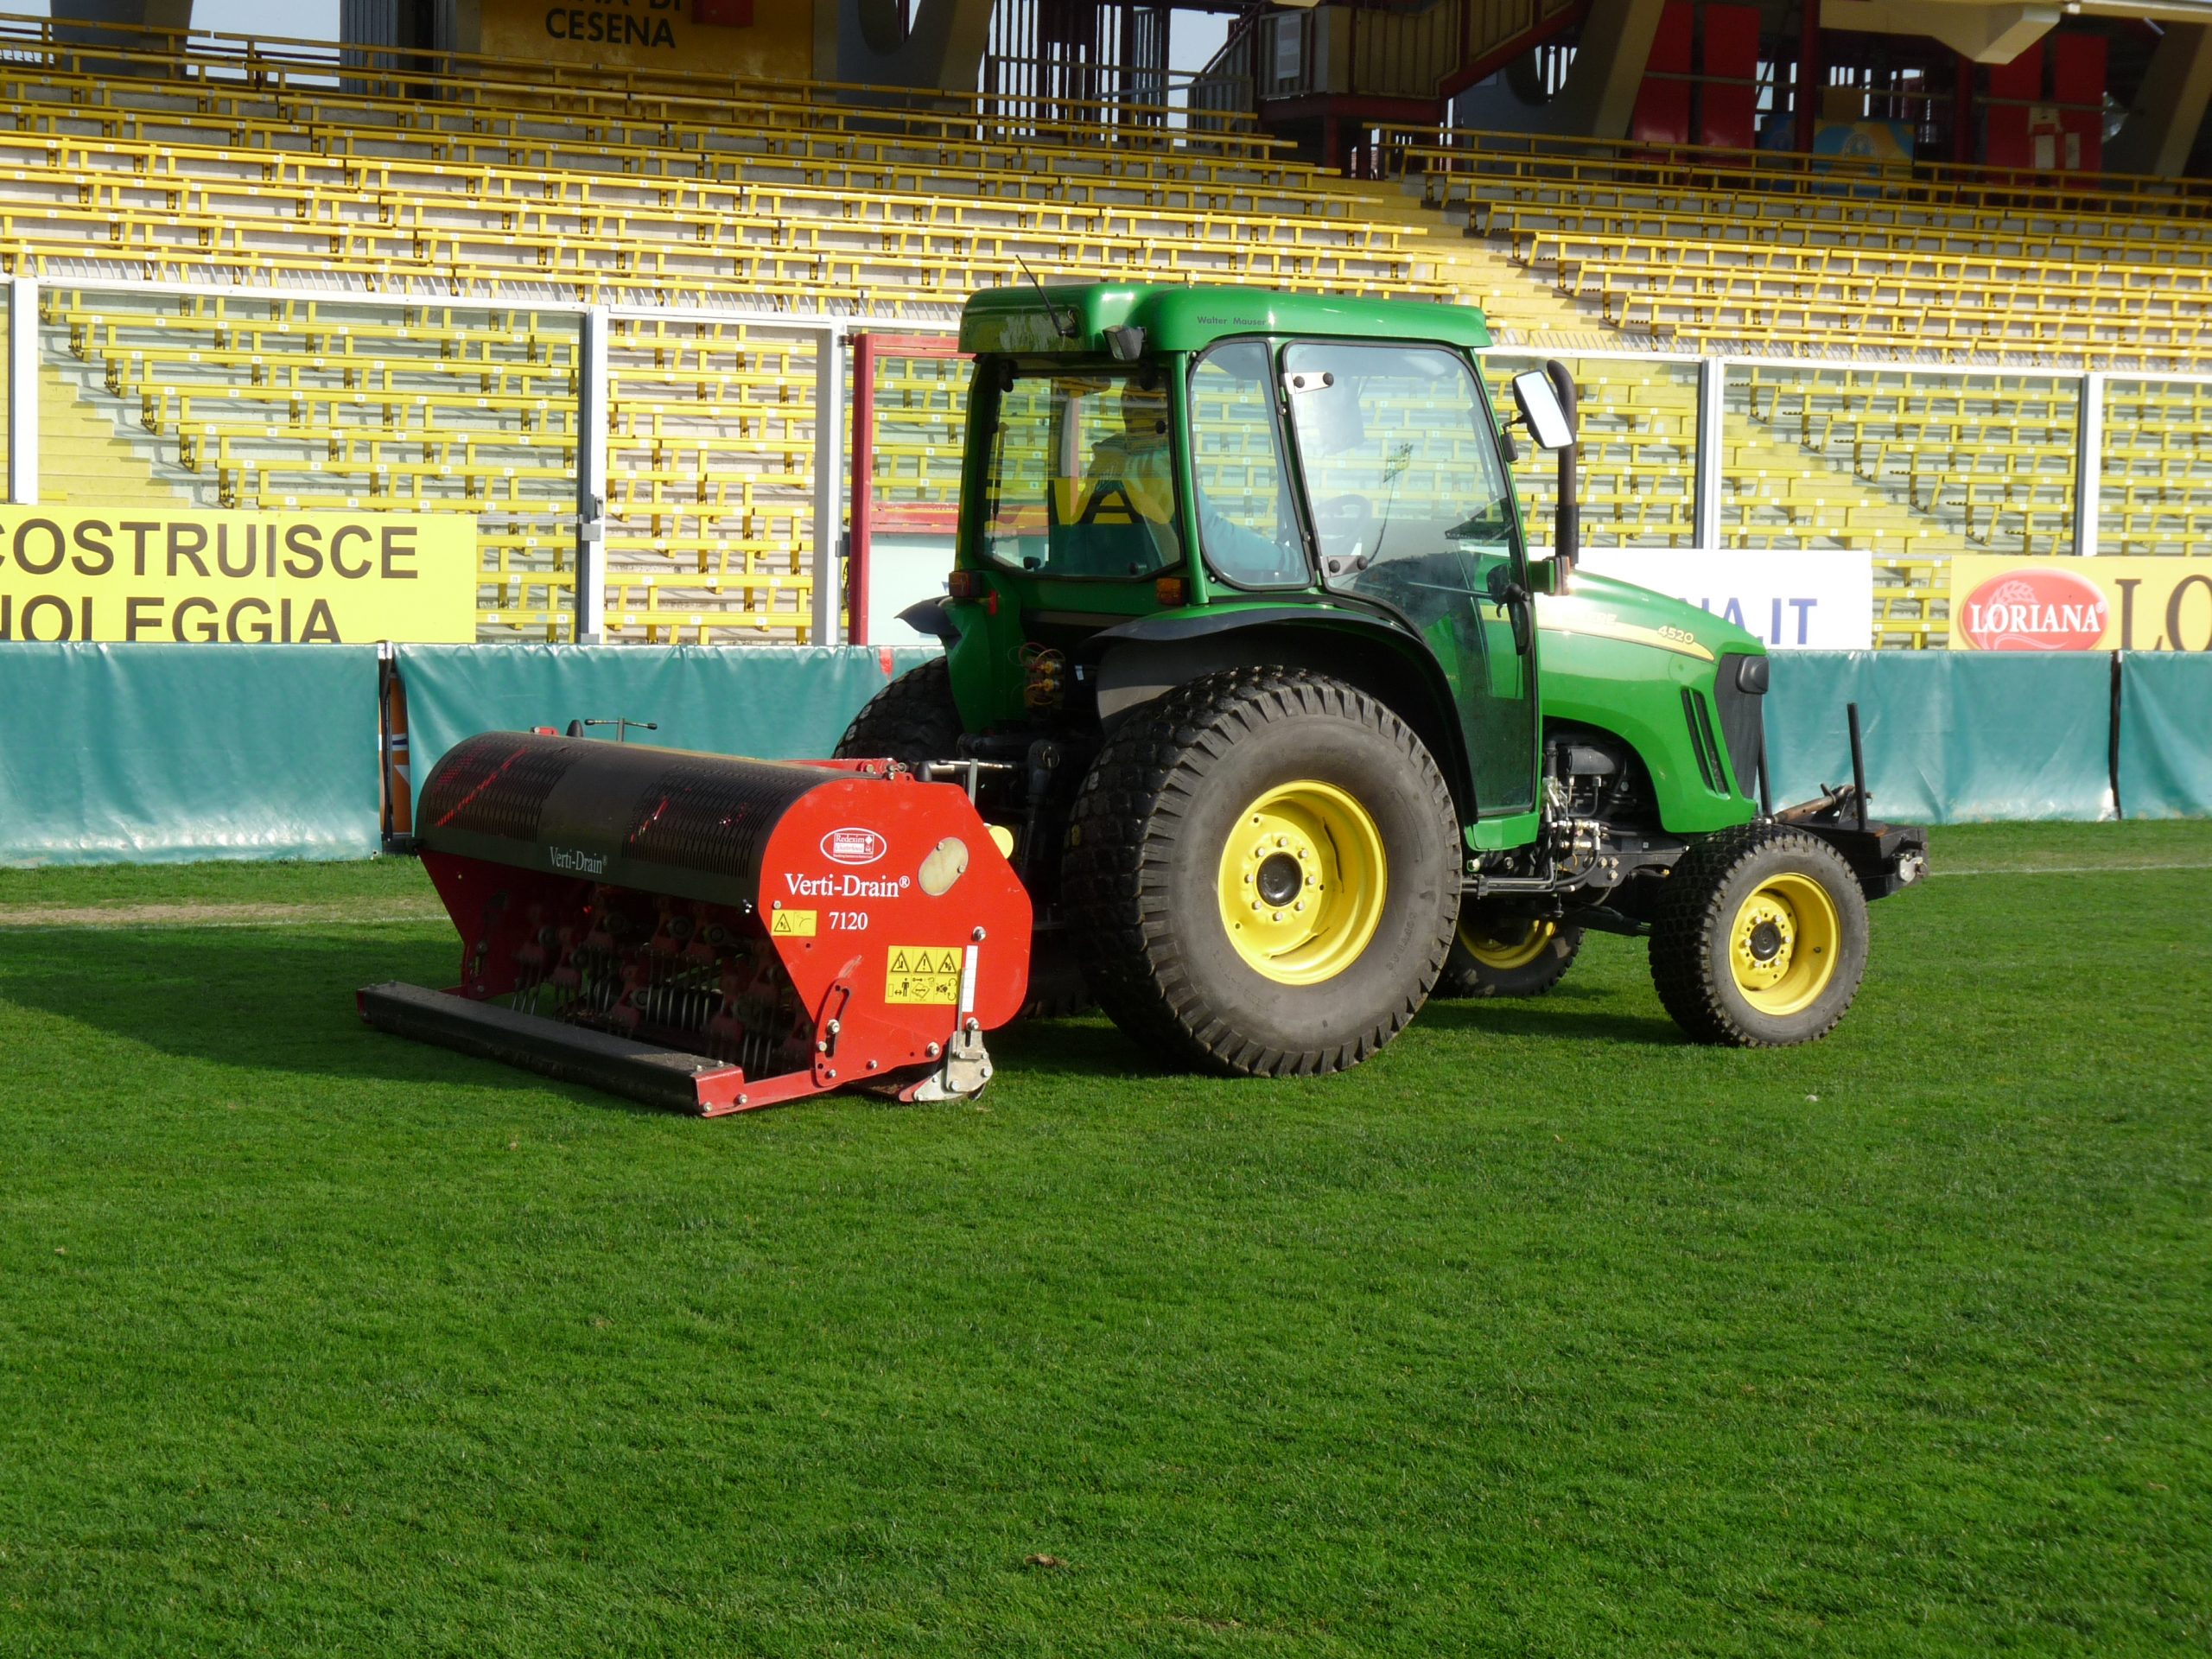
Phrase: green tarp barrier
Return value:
(1951, 737)
(2165, 735)
(776, 702)
(115, 753)
(152, 753)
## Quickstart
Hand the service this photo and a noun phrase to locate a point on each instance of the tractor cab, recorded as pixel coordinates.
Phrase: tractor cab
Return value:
(1149, 468)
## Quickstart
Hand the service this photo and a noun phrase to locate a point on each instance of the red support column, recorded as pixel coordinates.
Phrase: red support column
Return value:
(869, 352)
(856, 559)
(1808, 72)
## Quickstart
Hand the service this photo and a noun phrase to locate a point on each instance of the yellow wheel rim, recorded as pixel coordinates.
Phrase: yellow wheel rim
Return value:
(1302, 881)
(1783, 945)
(1506, 945)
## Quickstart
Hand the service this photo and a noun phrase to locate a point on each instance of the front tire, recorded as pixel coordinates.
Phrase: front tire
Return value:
(1760, 939)
(1262, 869)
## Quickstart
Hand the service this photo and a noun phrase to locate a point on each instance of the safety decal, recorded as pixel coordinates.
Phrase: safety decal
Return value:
(793, 924)
(923, 973)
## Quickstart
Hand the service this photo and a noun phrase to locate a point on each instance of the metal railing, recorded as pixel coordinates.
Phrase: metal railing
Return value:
(1911, 463)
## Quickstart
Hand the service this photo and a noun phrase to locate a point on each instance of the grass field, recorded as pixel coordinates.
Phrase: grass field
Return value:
(1545, 1333)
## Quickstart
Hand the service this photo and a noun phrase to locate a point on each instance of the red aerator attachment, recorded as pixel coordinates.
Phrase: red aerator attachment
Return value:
(710, 933)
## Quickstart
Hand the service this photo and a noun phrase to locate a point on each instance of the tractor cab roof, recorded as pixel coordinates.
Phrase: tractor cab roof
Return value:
(1081, 320)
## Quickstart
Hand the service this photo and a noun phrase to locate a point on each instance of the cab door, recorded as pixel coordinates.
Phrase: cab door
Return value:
(1412, 512)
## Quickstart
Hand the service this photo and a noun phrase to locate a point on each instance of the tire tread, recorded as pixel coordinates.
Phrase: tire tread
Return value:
(1464, 977)
(911, 720)
(1148, 775)
(1688, 914)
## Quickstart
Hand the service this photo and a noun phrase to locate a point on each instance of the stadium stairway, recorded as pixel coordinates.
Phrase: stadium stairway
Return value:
(1521, 307)
(91, 448)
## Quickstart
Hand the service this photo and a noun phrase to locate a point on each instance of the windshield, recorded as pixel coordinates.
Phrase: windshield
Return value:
(1081, 480)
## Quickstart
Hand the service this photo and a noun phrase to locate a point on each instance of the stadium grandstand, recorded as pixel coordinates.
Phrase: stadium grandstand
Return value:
(1910, 282)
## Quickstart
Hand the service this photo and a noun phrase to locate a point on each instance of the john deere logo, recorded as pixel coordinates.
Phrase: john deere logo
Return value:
(853, 846)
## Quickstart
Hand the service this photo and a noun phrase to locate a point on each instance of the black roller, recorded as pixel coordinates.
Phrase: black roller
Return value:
(654, 820)
(640, 1071)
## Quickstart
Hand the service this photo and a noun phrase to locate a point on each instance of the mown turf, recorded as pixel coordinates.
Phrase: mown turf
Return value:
(1545, 1333)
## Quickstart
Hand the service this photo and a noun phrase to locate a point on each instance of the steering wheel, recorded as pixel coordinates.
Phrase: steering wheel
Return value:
(1341, 510)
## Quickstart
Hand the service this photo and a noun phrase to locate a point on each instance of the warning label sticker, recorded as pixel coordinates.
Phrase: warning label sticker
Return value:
(923, 973)
(793, 924)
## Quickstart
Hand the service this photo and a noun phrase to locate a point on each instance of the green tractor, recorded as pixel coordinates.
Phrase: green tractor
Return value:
(1285, 731)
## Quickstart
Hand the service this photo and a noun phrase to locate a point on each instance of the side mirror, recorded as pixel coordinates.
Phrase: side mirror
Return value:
(1549, 422)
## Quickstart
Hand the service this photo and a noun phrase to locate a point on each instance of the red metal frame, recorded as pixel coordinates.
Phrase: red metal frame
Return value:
(867, 517)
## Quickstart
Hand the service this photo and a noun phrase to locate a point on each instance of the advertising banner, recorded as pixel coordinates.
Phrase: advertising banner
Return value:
(2122, 604)
(728, 37)
(1819, 600)
(236, 578)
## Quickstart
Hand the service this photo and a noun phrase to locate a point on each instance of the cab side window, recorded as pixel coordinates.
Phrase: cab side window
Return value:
(1247, 522)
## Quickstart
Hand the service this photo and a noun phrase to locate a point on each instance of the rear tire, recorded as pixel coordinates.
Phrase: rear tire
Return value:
(1508, 956)
(1760, 939)
(911, 720)
(1262, 873)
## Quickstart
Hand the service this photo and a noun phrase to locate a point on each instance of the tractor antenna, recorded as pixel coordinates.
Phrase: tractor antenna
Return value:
(1070, 331)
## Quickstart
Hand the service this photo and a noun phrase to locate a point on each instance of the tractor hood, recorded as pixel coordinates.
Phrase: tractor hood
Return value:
(1606, 608)
(1079, 320)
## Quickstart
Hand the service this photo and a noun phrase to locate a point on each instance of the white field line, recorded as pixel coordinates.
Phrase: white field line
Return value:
(39, 924)
(2069, 869)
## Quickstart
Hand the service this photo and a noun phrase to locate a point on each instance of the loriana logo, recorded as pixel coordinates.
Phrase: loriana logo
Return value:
(853, 846)
(2035, 610)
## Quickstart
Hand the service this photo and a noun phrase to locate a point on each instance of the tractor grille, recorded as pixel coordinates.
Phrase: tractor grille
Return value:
(1702, 742)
